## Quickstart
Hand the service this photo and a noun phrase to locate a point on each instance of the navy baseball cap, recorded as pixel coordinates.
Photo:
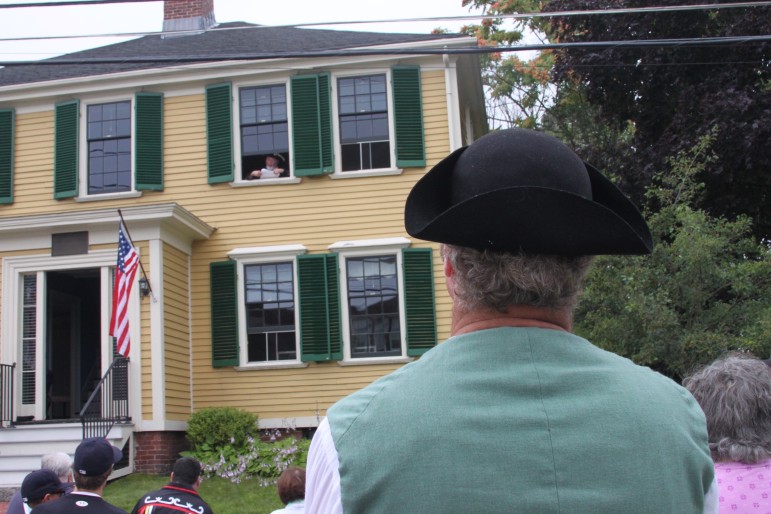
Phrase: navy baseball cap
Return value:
(95, 455)
(39, 483)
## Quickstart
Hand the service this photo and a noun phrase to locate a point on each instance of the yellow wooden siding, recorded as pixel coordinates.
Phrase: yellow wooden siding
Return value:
(316, 213)
(176, 333)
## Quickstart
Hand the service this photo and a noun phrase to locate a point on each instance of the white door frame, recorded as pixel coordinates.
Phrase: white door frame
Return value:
(13, 269)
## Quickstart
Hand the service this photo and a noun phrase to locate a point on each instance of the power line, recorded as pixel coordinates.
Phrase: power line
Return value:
(657, 43)
(474, 17)
(72, 2)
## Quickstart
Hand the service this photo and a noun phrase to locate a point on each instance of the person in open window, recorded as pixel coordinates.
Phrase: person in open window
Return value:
(272, 168)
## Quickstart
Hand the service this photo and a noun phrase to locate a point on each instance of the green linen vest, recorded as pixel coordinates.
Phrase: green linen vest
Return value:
(521, 420)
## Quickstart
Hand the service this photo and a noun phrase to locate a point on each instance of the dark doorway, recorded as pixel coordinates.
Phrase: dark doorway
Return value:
(73, 347)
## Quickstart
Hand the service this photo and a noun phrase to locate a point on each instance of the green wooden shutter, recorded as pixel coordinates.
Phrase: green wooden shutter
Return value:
(7, 118)
(312, 125)
(408, 117)
(320, 325)
(148, 141)
(418, 267)
(219, 133)
(224, 314)
(66, 150)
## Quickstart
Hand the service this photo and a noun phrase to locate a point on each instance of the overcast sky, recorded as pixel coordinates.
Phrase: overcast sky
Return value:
(148, 17)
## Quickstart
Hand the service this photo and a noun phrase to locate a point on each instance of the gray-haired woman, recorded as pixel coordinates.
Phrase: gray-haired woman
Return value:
(735, 394)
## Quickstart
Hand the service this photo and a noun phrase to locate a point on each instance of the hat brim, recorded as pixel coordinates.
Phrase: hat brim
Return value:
(527, 219)
(117, 454)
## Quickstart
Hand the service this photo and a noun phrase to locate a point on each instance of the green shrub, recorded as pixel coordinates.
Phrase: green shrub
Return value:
(256, 459)
(214, 428)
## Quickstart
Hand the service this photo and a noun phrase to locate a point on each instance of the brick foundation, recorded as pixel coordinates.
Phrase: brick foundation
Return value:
(156, 452)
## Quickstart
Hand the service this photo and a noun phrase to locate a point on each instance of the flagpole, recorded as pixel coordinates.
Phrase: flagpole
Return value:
(149, 287)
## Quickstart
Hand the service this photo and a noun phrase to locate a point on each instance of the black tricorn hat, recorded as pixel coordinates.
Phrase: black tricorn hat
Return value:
(518, 190)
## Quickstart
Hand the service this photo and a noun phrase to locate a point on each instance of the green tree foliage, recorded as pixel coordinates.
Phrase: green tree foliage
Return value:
(518, 91)
(674, 95)
(705, 290)
(522, 93)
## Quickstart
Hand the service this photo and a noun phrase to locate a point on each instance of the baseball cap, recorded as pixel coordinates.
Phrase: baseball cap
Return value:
(39, 483)
(95, 455)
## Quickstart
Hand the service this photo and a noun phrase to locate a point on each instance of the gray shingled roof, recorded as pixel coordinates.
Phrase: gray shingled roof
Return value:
(248, 39)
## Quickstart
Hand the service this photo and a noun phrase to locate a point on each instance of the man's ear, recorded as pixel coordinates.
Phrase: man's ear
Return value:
(449, 269)
(171, 477)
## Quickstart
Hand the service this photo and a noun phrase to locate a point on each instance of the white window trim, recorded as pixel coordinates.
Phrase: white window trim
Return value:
(339, 173)
(364, 248)
(236, 109)
(83, 195)
(260, 255)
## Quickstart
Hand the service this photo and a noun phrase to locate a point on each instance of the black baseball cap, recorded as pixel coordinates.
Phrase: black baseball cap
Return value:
(95, 455)
(39, 483)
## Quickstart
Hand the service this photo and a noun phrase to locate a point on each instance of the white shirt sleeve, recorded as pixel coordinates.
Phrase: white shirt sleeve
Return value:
(711, 499)
(322, 482)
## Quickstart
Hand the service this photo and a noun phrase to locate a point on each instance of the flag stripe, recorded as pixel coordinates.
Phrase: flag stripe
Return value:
(125, 272)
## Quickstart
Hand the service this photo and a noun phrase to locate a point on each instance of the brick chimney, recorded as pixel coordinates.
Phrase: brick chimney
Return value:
(188, 15)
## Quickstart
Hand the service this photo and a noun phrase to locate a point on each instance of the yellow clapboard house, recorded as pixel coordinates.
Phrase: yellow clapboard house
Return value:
(277, 292)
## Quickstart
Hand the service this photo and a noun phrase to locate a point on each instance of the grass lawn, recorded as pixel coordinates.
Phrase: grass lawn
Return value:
(222, 495)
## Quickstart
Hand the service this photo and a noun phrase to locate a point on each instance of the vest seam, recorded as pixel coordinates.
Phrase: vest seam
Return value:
(548, 424)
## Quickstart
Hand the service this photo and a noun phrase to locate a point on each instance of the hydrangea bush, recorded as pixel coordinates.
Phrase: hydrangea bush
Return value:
(251, 454)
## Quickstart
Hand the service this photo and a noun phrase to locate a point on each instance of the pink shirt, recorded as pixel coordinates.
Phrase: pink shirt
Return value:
(744, 488)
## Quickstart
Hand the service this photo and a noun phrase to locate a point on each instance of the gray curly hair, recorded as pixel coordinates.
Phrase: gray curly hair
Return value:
(498, 280)
(735, 394)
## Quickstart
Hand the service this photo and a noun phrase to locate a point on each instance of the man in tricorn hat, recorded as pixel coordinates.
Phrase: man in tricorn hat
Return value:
(514, 413)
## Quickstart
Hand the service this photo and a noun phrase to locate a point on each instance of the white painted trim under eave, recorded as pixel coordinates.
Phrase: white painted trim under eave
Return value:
(169, 222)
(208, 71)
(453, 102)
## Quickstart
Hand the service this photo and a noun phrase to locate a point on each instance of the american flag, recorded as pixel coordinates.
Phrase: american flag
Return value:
(125, 271)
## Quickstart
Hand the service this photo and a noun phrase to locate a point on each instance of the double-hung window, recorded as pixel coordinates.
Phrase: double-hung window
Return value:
(269, 302)
(372, 290)
(109, 147)
(362, 104)
(264, 131)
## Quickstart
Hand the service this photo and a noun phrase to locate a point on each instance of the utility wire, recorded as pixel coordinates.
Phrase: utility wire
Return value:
(72, 2)
(658, 43)
(474, 17)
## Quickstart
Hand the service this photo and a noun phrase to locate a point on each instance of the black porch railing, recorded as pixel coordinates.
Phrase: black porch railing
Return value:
(109, 403)
(6, 394)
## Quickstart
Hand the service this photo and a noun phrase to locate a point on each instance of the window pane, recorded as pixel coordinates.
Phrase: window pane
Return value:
(345, 87)
(123, 111)
(94, 113)
(109, 112)
(362, 85)
(379, 102)
(351, 157)
(378, 83)
(247, 98)
(381, 155)
(347, 105)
